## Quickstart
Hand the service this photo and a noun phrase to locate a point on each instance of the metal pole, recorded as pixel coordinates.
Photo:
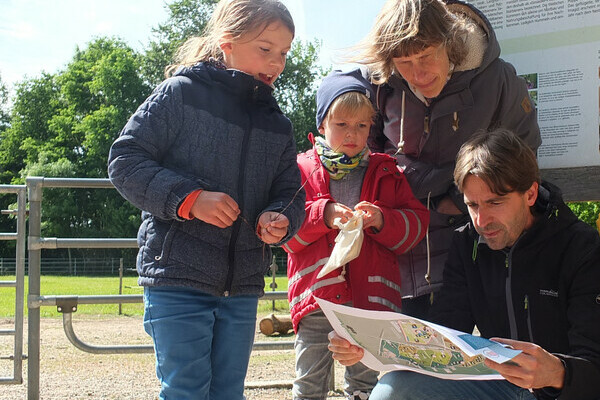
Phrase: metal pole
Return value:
(34, 184)
(20, 288)
(273, 284)
(120, 282)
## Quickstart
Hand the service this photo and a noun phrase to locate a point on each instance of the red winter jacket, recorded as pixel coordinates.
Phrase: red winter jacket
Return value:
(372, 281)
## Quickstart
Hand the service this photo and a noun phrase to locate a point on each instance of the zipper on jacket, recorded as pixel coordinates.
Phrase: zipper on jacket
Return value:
(509, 300)
(240, 189)
(528, 312)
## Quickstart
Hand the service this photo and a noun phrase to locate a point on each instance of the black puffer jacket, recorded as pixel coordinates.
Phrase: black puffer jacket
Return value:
(545, 290)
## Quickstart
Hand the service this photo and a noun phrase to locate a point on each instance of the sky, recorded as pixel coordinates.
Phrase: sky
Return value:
(42, 35)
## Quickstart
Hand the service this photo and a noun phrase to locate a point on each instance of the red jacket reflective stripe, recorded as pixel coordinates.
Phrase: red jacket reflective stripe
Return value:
(371, 281)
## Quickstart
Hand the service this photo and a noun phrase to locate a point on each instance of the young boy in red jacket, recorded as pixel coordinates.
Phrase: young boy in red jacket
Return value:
(342, 176)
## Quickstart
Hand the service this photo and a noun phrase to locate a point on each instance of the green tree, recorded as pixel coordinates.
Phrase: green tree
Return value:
(296, 88)
(187, 18)
(4, 116)
(62, 125)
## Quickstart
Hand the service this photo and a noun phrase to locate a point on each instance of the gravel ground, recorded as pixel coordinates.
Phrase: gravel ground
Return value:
(69, 373)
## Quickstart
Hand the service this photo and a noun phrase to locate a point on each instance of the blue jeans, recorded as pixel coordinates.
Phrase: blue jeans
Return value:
(314, 362)
(405, 385)
(202, 343)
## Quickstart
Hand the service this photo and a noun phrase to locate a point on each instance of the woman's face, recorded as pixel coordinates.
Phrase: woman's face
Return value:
(427, 70)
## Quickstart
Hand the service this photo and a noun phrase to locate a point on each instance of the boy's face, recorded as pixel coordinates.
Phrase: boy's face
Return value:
(346, 133)
(261, 54)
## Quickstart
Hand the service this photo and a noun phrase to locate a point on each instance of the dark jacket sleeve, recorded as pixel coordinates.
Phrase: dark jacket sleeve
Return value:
(287, 195)
(135, 160)
(583, 361)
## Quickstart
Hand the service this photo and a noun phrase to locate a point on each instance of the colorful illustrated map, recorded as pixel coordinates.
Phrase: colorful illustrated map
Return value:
(396, 341)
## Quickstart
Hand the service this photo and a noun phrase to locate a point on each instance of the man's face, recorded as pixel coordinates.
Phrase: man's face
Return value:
(500, 220)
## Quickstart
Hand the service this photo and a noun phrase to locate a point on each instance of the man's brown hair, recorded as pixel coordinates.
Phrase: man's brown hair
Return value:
(500, 158)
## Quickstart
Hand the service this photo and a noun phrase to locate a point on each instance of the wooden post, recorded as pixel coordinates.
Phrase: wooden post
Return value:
(276, 323)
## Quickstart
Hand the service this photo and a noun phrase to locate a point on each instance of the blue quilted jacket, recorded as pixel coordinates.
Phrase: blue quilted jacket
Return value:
(212, 129)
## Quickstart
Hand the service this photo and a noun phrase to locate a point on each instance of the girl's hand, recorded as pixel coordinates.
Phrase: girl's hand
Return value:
(335, 210)
(215, 208)
(272, 227)
(373, 217)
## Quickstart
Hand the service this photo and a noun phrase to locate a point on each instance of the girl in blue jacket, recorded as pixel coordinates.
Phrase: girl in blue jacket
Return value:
(210, 160)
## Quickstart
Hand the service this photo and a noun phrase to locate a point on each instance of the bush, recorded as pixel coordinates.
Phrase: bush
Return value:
(587, 211)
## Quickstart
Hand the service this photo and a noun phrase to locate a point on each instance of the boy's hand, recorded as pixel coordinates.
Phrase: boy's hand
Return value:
(346, 353)
(335, 210)
(215, 208)
(272, 227)
(373, 217)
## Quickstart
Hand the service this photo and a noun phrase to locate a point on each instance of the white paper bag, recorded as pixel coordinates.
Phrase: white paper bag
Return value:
(347, 243)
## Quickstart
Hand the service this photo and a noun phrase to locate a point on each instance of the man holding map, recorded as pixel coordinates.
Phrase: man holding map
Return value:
(524, 268)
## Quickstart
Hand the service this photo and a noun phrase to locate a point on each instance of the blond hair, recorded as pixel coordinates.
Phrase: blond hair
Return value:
(406, 27)
(500, 158)
(351, 103)
(234, 18)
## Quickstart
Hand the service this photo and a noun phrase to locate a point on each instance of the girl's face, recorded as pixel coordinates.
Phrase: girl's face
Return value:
(346, 133)
(259, 53)
(427, 70)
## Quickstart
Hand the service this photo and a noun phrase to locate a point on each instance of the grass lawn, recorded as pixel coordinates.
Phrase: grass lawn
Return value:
(86, 286)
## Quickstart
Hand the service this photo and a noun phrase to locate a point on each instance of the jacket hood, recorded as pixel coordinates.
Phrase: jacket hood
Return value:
(492, 50)
(232, 80)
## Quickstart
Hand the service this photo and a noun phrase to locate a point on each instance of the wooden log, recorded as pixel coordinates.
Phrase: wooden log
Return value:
(276, 323)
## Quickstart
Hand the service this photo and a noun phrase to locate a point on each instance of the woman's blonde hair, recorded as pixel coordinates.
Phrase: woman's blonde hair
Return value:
(234, 18)
(406, 27)
(351, 103)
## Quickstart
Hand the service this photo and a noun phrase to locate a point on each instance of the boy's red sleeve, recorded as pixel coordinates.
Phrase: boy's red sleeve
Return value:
(405, 221)
(312, 228)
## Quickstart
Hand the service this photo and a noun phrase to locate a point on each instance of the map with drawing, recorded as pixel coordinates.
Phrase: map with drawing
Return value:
(395, 341)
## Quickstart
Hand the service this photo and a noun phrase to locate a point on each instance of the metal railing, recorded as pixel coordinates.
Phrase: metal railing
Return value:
(18, 283)
(68, 304)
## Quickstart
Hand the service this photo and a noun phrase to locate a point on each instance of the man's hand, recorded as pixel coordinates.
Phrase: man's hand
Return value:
(347, 354)
(334, 210)
(272, 227)
(373, 217)
(535, 369)
(215, 208)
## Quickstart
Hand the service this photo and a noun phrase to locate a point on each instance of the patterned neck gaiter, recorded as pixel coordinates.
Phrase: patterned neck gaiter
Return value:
(337, 164)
